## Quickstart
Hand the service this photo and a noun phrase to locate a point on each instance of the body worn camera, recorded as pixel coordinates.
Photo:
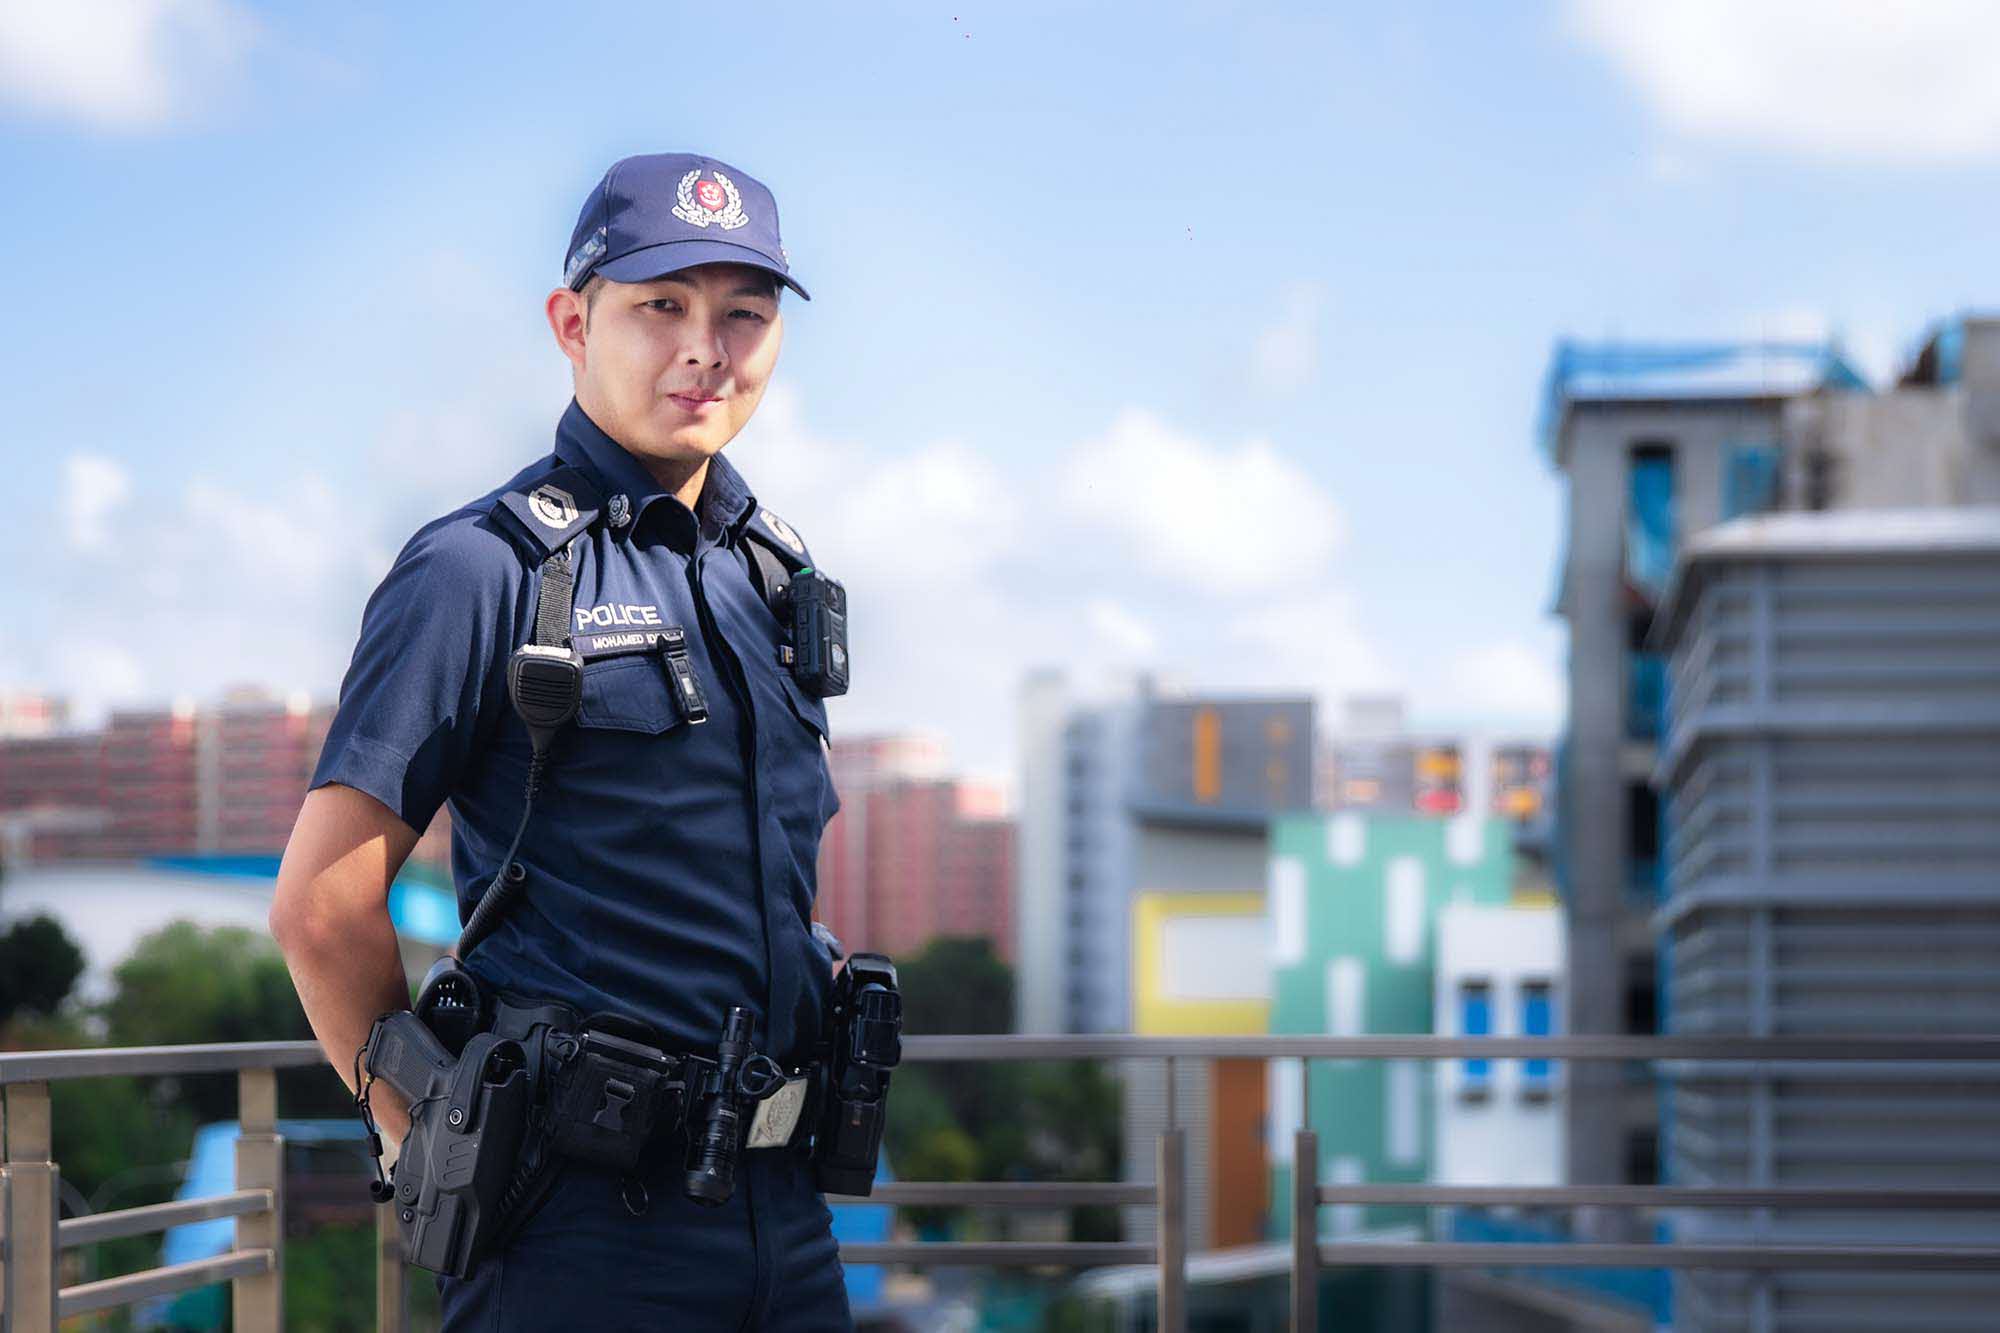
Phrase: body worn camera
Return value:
(819, 633)
(867, 1031)
(468, 1113)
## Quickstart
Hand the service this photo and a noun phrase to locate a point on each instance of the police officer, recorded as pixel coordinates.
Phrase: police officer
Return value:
(667, 866)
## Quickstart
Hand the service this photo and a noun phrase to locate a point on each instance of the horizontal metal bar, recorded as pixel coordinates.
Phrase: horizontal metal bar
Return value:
(1000, 1254)
(95, 1227)
(1846, 1071)
(1662, 1196)
(131, 1061)
(1004, 1194)
(1877, 1047)
(1930, 1258)
(131, 1287)
(223, 1057)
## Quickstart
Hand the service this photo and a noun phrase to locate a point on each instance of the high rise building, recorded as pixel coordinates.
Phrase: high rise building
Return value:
(1144, 836)
(1140, 793)
(1658, 444)
(25, 714)
(254, 755)
(914, 855)
(1831, 773)
(170, 781)
(1372, 762)
(1655, 444)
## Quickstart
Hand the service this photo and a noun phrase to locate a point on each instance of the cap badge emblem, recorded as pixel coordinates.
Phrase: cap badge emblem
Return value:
(553, 506)
(701, 202)
(783, 531)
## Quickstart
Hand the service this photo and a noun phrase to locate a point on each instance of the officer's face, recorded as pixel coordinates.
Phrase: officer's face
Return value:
(673, 368)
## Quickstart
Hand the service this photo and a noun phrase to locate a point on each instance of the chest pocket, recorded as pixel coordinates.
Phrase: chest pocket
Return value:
(626, 686)
(806, 707)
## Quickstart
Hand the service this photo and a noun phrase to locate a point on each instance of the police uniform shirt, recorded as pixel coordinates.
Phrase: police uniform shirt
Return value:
(671, 864)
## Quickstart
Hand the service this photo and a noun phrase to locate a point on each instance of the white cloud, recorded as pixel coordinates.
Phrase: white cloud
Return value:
(1287, 354)
(215, 585)
(1124, 633)
(1310, 639)
(1138, 547)
(1220, 519)
(118, 64)
(99, 671)
(94, 489)
(1505, 681)
(1905, 81)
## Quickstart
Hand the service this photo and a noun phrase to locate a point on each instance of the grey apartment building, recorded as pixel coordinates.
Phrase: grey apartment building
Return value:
(1658, 444)
(1139, 792)
(1831, 781)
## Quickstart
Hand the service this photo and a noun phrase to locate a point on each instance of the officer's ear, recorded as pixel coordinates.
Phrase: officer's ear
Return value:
(569, 320)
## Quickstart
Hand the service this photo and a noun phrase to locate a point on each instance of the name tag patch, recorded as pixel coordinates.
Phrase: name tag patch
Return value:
(617, 642)
(778, 1115)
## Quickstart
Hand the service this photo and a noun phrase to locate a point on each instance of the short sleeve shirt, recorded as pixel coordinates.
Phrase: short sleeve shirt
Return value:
(671, 862)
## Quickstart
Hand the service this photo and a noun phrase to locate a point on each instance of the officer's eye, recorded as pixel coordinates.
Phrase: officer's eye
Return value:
(747, 314)
(662, 303)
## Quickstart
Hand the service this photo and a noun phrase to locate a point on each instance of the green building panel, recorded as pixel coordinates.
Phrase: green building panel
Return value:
(1353, 901)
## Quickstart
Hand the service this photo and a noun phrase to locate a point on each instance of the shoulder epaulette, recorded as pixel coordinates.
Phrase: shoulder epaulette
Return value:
(553, 507)
(780, 536)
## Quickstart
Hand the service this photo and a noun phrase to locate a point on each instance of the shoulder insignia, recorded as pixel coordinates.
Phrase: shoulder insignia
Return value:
(553, 507)
(780, 534)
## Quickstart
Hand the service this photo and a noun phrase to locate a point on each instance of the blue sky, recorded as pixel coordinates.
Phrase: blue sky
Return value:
(1197, 337)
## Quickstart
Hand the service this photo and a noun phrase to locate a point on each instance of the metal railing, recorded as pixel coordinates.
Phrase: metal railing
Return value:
(32, 1299)
(32, 1240)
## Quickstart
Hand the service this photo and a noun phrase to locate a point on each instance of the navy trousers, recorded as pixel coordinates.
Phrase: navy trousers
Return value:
(766, 1260)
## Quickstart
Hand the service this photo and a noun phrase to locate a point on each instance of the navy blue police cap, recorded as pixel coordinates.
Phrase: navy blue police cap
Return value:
(663, 212)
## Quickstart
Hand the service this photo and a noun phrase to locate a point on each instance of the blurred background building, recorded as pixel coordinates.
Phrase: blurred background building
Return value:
(1831, 769)
(1827, 636)
(1356, 902)
(1658, 444)
(914, 854)
(179, 780)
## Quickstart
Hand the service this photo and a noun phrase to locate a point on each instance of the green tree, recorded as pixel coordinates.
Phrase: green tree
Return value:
(1025, 1121)
(187, 983)
(39, 963)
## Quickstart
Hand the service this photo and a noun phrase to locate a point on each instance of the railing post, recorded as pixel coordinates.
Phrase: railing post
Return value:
(32, 1281)
(1305, 1231)
(1171, 1205)
(259, 1300)
(392, 1285)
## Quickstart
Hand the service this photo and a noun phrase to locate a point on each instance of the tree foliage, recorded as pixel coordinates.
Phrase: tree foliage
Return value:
(39, 963)
(1020, 1120)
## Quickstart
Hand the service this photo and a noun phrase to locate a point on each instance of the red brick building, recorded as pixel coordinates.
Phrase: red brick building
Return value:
(162, 781)
(914, 854)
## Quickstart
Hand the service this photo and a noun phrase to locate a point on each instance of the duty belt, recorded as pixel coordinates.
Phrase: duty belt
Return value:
(609, 1096)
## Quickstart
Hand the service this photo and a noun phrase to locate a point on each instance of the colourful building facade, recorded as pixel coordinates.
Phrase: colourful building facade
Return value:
(1353, 902)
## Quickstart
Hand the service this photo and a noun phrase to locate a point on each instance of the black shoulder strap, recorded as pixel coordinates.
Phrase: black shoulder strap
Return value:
(554, 601)
(549, 512)
(776, 553)
(768, 568)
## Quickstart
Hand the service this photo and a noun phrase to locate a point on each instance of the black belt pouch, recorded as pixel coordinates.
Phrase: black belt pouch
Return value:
(611, 1091)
